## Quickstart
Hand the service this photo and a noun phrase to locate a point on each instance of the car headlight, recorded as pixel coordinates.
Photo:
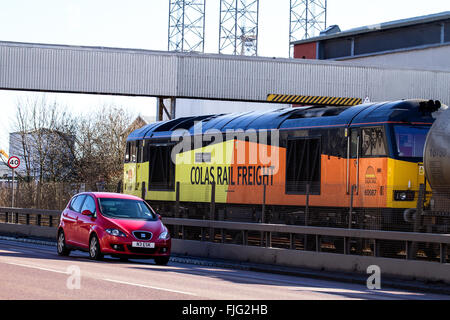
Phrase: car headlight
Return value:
(115, 232)
(164, 235)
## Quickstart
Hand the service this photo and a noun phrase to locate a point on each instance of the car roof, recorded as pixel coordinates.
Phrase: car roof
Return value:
(112, 195)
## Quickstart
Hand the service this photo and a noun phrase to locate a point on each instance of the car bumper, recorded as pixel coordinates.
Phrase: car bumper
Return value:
(119, 246)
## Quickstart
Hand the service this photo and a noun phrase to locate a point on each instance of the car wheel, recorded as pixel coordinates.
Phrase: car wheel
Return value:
(61, 245)
(94, 249)
(161, 261)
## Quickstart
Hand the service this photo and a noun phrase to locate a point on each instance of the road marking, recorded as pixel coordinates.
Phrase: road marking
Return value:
(110, 280)
(35, 267)
(300, 284)
(149, 287)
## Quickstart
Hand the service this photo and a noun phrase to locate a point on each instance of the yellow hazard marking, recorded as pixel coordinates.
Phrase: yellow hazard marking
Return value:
(314, 100)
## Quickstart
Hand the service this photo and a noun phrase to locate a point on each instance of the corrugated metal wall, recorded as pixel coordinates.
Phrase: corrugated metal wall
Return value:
(149, 73)
(434, 58)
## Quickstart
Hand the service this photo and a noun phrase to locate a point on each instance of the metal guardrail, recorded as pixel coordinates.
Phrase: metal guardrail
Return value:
(409, 238)
(27, 216)
(23, 216)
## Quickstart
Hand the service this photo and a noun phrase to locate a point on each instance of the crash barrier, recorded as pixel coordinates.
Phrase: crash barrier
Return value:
(260, 243)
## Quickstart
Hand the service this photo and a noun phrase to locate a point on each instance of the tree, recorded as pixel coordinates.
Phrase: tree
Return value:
(101, 145)
(56, 146)
(44, 139)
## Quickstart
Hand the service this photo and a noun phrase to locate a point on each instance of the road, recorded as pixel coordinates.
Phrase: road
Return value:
(29, 271)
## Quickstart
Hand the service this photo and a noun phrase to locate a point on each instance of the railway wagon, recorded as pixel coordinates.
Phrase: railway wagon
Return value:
(358, 166)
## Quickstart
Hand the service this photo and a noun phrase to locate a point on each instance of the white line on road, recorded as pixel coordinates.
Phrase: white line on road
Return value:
(149, 287)
(34, 267)
(110, 280)
(297, 284)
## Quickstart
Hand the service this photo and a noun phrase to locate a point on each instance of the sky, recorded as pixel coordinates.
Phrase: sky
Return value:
(143, 24)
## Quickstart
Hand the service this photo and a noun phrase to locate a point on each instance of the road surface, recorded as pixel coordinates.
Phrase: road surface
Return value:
(30, 271)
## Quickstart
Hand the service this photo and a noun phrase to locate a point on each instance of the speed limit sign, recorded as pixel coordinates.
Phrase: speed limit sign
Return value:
(13, 162)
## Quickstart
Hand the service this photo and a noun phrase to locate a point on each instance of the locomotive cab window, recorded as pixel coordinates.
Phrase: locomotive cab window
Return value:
(373, 142)
(140, 151)
(354, 148)
(303, 165)
(161, 167)
(410, 140)
(130, 153)
(127, 153)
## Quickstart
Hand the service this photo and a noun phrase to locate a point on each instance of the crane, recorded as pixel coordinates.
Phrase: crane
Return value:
(3, 153)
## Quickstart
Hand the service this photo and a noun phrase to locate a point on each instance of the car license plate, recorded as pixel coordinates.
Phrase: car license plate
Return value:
(136, 244)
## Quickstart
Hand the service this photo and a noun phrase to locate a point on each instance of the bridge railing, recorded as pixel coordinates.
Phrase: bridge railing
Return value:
(316, 235)
(264, 234)
(39, 217)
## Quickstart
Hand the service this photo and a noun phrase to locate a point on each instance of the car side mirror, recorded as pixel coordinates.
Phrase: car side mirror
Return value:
(159, 216)
(86, 212)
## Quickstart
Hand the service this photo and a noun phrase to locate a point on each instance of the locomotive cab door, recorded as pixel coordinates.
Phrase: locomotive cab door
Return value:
(354, 196)
(130, 174)
(139, 180)
(353, 159)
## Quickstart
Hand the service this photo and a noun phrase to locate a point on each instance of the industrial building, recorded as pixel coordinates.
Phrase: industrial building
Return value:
(44, 153)
(417, 43)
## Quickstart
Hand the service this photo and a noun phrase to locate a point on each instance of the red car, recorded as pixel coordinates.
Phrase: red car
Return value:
(113, 224)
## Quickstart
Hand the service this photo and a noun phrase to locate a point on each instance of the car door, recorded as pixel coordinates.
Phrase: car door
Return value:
(70, 217)
(84, 222)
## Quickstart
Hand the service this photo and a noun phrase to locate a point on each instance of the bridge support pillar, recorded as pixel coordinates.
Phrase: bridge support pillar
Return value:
(165, 108)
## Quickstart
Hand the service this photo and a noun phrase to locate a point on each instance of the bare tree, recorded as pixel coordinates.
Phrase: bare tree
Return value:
(44, 138)
(58, 149)
(101, 143)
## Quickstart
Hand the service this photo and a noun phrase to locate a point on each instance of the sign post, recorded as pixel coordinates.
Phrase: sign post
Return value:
(13, 163)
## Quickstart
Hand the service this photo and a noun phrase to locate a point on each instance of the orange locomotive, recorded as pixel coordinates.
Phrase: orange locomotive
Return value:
(316, 165)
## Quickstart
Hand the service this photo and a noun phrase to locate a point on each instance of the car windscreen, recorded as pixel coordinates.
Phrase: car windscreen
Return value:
(126, 209)
(410, 140)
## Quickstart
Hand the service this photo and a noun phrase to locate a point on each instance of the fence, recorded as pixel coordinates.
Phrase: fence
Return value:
(376, 207)
(362, 207)
(368, 206)
(291, 237)
(47, 195)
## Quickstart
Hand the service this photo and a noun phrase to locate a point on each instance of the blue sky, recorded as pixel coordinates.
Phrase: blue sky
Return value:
(144, 24)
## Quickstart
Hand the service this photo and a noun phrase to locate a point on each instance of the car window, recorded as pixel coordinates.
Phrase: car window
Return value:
(89, 204)
(77, 202)
(126, 209)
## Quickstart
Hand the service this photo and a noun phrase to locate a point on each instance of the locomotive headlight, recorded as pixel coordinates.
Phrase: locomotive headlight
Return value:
(404, 195)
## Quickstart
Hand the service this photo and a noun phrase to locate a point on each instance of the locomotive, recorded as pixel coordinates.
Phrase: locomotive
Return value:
(358, 167)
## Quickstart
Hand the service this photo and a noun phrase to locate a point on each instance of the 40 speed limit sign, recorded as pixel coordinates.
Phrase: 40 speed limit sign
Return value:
(13, 162)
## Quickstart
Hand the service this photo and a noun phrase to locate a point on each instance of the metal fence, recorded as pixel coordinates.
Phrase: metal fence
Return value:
(369, 206)
(47, 195)
(38, 217)
(409, 245)
(376, 207)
